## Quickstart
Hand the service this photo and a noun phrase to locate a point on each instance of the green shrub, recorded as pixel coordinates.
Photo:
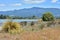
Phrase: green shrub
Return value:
(51, 23)
(32, 23)
(12, 27)
(47, 16)
(41, 26)
(25, 23)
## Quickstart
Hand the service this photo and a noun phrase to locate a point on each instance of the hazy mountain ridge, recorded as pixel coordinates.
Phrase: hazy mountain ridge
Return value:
(32, 11)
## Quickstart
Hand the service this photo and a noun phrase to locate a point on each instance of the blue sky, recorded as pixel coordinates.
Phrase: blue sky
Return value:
(6, 5)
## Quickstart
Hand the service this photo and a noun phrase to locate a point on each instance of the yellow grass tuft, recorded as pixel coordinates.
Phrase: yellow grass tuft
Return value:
(12, 27)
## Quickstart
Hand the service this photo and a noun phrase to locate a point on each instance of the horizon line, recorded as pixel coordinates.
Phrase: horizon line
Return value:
(28, 8)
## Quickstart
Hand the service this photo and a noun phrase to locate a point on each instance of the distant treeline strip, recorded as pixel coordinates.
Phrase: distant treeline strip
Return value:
(16, 17)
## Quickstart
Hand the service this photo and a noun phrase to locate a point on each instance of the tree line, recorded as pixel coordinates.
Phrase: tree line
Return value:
(16, 17)
(47, 16)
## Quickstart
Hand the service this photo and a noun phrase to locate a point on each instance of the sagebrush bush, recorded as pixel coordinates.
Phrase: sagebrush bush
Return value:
(41, 26)
(32, 23)
(12, 27)
(51, 23)
(40, 20)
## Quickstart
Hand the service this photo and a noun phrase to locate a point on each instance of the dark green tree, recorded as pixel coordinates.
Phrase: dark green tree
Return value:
(47, 16)
(34, 17)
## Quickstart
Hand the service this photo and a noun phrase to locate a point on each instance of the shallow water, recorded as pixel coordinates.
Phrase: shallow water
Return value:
(17, 20)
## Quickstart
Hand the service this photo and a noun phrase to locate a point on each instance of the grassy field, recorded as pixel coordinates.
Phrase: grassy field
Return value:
(38, 31)
(45, 34)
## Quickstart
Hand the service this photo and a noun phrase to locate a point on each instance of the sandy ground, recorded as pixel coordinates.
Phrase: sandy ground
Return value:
(45, 34)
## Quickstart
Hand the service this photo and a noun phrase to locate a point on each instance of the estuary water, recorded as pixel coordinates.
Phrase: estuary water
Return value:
(17, 20)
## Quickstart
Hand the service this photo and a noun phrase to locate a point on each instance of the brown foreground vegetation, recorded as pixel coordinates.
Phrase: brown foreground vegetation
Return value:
(45, 34)
(31, 31)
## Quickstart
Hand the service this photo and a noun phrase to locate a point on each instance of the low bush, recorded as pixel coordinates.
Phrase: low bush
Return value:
(32, 23)
(51, 23)
(41, 26)
(12, 27)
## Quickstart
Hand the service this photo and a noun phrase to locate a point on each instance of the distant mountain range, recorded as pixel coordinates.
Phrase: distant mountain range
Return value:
(32, 11)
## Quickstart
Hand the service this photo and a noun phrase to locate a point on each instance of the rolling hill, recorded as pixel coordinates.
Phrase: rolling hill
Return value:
(32, 11)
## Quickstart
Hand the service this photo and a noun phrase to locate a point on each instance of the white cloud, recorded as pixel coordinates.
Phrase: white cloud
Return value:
(34, 1)
(54, 1)
(58, 2)
(2, 5)
(16, 4)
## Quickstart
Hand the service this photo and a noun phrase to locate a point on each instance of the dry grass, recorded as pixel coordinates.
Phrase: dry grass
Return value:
(12, 27)
(45, 34)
